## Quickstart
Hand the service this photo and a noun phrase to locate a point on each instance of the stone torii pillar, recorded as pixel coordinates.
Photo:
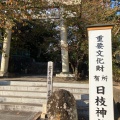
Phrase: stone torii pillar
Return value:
(64, 50)
(5, 53)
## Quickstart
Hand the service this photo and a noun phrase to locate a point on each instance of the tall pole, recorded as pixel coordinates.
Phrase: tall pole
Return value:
(64, 48)
(5, 52)
(64, 45)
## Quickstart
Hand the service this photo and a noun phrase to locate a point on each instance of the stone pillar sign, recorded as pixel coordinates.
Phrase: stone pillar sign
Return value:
(100, 73)
(49, 87)
(49, 79)
(5, 53)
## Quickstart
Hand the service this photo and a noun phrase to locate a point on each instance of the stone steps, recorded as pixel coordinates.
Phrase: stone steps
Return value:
(20, 99)
(38, 83)
(23, 88)
(41, 88)
(30, 95)
(23, 97)
(12, 106)
(23, 93)
(78, 96)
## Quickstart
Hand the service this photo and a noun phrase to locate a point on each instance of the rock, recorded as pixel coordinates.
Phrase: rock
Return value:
(61, 105)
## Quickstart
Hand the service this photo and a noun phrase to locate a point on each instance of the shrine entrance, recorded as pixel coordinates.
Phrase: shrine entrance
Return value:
(53, 13)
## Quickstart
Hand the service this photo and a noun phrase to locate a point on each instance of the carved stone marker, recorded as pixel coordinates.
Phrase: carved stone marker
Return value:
(61, 105)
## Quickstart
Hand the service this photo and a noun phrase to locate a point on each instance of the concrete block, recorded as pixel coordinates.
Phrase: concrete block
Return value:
(65, 75)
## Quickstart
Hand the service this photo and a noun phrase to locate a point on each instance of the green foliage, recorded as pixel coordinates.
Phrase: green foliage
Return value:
(116, 72)
(18, 10)
(38, 38)
(116, 58)
(88, 13)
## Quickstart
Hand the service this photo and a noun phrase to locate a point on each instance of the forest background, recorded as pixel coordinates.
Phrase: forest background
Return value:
(38, 39)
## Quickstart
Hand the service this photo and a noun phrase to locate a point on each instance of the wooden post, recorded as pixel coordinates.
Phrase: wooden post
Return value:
(49, 79)
(49, 87)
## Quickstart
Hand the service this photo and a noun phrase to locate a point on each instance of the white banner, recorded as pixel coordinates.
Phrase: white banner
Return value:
(100, 73)
(49, 79)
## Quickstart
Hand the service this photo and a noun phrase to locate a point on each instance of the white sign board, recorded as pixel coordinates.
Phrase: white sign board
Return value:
(49, 79)
(100, 73)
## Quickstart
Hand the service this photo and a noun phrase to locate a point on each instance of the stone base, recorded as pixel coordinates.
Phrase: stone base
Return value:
(43, 116)
(2, 74)
(44, 111)
(65, 75)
